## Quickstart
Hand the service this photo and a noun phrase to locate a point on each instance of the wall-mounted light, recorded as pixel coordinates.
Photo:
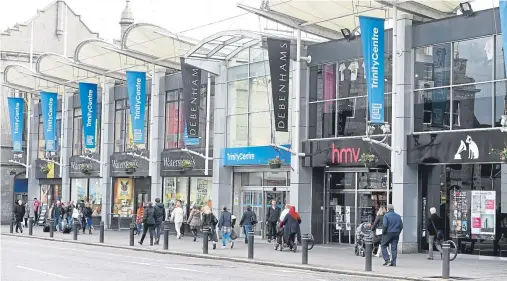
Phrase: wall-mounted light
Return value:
(350, 35)
(466, 9)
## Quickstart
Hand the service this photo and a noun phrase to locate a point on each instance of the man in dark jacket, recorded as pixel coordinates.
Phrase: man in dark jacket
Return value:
(272, 215)
(159, 218)
(392, 227)
(248, 221)
(434, 231)
(56, 214)
(225, 225)
(148, 223)
(19, 213)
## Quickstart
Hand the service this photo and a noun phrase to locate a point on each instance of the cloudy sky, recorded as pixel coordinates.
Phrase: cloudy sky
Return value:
(191, 17)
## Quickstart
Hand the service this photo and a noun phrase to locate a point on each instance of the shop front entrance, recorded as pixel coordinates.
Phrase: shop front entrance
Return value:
(353, 198)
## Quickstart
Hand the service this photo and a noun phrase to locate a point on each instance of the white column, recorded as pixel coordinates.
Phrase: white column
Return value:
(106, 148)
(404, 177)
(156, 140)
(66, 146)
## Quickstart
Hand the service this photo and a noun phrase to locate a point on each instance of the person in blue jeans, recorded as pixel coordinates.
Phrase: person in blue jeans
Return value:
(248, 221)
(56, 214)
(392, 227)
(225, 225)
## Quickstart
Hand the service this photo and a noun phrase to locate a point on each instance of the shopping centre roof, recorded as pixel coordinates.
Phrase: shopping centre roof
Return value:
(22, 78)
(327, 18)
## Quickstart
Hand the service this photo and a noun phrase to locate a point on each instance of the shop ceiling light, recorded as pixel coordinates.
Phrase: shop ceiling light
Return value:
(466, 9)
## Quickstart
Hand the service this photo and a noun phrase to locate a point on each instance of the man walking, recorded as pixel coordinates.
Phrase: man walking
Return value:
(392, 227)
(159, 218)
(272, 215)
(36, 206)
(434, 233)
(19, 213)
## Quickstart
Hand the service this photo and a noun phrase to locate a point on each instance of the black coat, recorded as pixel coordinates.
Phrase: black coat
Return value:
(19, 212)
(159, 213)
(429, 225)
(290, 226)
(209, 220)
(247, 218)
(87, 212)
(273, 215)
(149, 215)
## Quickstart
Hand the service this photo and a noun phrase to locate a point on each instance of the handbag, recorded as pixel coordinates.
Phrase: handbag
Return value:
(378, 231)
(233, 235)
(440, 235)
(253, 220)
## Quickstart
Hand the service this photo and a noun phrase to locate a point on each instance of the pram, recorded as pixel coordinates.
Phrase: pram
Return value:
(280, 241)
(362, 232)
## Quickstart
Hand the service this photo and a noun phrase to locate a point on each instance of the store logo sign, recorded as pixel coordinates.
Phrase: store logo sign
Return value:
(344, 155)
(473, 149)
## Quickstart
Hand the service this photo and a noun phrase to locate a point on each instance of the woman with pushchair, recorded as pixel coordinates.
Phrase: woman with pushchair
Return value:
(291, 227)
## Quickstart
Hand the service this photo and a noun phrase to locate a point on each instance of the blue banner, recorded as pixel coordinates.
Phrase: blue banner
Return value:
(49, 105)
(88, 97)
(503, 25)
(254, 155)
(16, 115)
(136, 89)
(372, 36)
(190, 141)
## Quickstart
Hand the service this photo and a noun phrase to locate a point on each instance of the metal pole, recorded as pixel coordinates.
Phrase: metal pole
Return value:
(166, 235)
(368, 254)
(11, 228)
(75, 230)
(101, 232)
(446, 270)
(30, 226)
(205, 233)
(304, 253)
(28, 131)
(51, 228)
(208, 106)
(250, 244)
(132, 228)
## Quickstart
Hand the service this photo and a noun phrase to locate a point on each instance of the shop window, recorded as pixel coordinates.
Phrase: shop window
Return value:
(432, 110)
(123, 197)
(473, 61)
(251, 179)
(78, 147)
(123, 136)
(474, 103)
(87, 190)
(500, 102)
(275, 179)
(432, 66)
(174, 125)
(200, 191)
(175, 188)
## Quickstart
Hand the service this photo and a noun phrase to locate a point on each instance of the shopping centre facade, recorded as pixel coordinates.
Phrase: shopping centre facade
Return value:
(445, 90)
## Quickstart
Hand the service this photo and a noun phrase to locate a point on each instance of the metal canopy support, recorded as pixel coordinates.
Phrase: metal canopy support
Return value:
(415, 8)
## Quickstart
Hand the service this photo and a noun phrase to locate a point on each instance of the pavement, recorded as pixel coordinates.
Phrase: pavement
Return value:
(331, 259)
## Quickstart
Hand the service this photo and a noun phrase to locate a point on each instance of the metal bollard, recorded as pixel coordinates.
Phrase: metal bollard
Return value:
(11, 229)
(75, 230)
(250, 244)
(446, 270)
(368, 254)
(166, 235)
(51, 228)
(205, 233)
(30, 226)
(304, 253)
(132, 228)
(101, 232)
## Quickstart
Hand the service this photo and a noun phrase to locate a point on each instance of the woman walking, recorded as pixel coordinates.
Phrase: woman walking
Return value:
(377, 227)
(194, 220)
(177, 218)
(148, 223)
(87, 215)
(291, 228)
(139, 218)
(209, 222)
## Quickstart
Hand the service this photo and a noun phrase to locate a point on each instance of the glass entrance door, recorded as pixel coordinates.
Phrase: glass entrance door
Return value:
(254, 199)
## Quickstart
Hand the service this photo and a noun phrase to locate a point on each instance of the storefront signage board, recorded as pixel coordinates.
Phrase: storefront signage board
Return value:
(191, 98)
(79, 164)
(279, 66)
(120, 162)
(254, 155)
(172, 161)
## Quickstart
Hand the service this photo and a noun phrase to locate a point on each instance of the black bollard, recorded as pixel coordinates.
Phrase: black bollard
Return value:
(250, 244)
(101, 232)
(30, 226)
(11, 228)
(51, 228)
(368, 254)
(75, 230)
(132, 228)
(304, 254)
(205, 233)
(166, 235)
(446, 270)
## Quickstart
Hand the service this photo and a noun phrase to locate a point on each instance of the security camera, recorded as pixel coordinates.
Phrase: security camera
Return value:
(386, 128)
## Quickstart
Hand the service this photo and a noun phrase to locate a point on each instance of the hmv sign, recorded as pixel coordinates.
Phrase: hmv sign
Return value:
(345, 154)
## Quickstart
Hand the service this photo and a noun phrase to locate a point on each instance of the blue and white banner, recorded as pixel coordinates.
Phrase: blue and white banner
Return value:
(190, 141)
(16, 115)
(503, 25)
(372, 35)
(49, 105)
(254, 155)
(88, 96)
(136, 89)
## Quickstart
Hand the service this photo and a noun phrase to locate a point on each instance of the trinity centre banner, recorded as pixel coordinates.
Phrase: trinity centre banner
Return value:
(136, 90)
(191, 98)
(16, 116)
(49, 105)
(372, 36)
(279, 66)
(88, 96)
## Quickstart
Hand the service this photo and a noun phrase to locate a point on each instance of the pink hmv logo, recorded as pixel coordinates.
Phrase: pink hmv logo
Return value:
(344, 154)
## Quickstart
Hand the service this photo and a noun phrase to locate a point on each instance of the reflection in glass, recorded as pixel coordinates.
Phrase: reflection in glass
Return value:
(259, 129)
(432, 66)
(432, 110)
(472, 101)
(473, 61)
(352, 79)
(260, 94)
(237, 130)
(500, 102)
(238, 97)
(499, 59)
(325, 118)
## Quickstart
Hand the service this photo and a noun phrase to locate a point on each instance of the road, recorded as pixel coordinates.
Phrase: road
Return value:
(32, 259)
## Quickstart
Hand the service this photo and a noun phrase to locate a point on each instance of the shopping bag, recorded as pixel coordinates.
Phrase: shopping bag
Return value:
(233, 235)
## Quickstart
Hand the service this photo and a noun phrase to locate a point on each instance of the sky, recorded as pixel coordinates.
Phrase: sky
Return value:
(191, 18)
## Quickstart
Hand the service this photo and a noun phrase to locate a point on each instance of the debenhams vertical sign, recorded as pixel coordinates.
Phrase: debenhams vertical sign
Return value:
(279, 66)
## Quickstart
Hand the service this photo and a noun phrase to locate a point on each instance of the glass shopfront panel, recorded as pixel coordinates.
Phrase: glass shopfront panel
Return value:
(189, 190)
(87, 190)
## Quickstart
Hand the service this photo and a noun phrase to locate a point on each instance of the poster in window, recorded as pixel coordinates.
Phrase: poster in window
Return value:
(123, 197)
(459, 213)
(483, 213)
(347, 218)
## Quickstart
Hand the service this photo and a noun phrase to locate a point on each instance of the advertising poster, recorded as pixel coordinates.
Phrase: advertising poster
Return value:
(459, 213)
(483, 213)
(123, 197)
(347, 218)
(338, 218)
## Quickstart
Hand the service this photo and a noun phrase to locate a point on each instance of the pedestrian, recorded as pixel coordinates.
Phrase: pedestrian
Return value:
(69, 210)
(57, 214)
(225, 225)
(194, 220)
(291, 228)
(139, 219)
(87, 214)
(272, 215)
(159, 218)
(209, 222)
(248, 221)
(19, 213)
(392, 227)
(27, 213)
(36, 206)
(284, 212)
(435, 235)
(177, 218)
(148, 223)
(377, 228)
